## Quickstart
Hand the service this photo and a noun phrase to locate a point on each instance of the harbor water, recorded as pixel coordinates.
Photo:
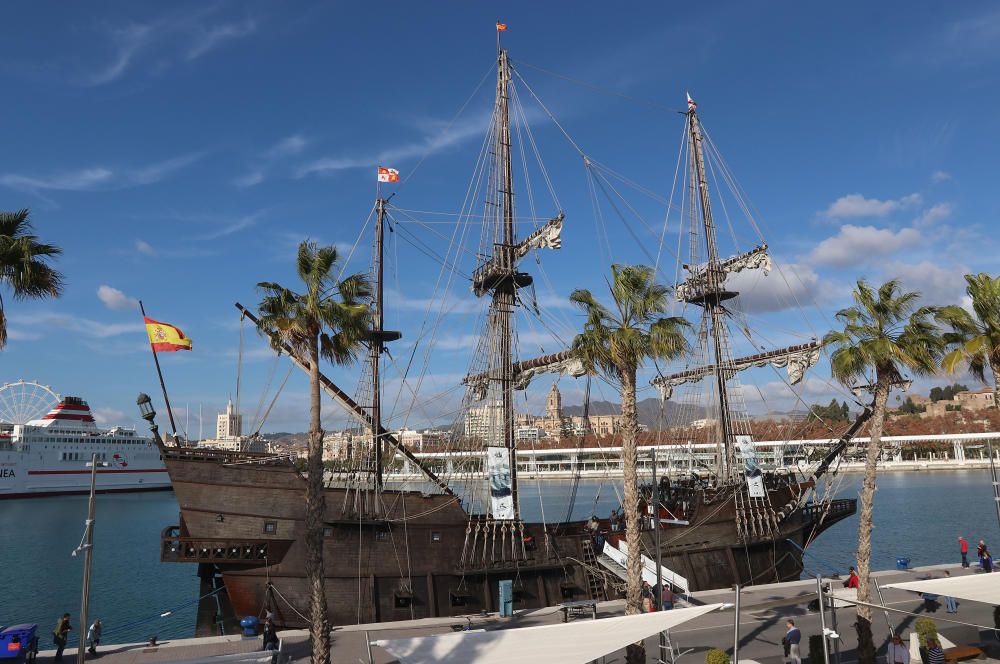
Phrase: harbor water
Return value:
(918, 515)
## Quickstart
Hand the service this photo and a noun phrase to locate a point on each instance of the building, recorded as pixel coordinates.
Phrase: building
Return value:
(485, 422)
(239, 444)
(969, 401)
(415, 441)
(338, 444)
(558, 425)
(228, 424)
(229, 434)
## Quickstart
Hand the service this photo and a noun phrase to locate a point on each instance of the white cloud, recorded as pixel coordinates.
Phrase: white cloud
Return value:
(83, 326)
(859, 244)
(937, 284)
(251, 179)
(233, 226)
(144, 247)
(210, 38)
(933, 214)
(437, 139)
(81, 180)
(937, 177)
(130, 40)
(185, 36)
(99, 177)
(286, 147)
(115, 299)
(160, 170)
(787, 286)
(108, 416)
(856, 205)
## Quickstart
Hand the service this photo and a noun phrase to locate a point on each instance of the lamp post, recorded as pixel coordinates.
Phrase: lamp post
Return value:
(147, 413)
(87, 546)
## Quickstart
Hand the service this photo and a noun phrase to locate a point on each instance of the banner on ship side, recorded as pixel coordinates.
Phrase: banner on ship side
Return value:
(501, 487)
(751, 466)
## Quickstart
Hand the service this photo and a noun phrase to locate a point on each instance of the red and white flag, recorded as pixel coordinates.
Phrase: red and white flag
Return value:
(388, 174)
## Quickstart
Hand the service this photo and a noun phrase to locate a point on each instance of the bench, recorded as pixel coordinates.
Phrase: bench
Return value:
(952, 655)
(578, 608)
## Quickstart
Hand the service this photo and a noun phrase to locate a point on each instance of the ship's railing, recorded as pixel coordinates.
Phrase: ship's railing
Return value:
(837, 507)
(226, 456)
(177, 549)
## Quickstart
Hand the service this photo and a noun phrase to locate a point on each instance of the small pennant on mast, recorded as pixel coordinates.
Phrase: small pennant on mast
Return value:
(388, 174)
(501, 27)
(691, 104)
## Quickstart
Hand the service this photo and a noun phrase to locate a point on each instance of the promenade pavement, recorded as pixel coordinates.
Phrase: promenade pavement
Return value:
(764, 610)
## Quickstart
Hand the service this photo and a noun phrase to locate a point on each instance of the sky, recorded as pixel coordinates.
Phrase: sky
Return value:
(179, 152)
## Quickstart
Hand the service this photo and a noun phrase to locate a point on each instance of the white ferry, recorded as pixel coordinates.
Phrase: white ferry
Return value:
(49, 456)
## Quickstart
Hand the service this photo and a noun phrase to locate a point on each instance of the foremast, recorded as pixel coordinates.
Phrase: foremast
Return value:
(380, 336)
(498, 277)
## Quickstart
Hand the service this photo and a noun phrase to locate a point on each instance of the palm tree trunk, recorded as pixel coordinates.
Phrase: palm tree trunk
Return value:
(636, 653)
(866, 642)
(319, 629)
(994, 367)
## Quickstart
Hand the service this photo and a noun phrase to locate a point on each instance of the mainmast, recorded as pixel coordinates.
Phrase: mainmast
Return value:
(713, 292)
(504, 295)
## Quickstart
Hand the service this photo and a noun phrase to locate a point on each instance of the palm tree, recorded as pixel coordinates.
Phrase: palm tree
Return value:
(24, 263)
(975, 338)
(887, 333)
(329, 319)
(616, 343)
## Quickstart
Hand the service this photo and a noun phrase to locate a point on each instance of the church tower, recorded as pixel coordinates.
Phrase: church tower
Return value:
(553, 407)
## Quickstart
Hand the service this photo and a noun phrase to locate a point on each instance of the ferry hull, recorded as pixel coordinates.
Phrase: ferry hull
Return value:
(50, 456)
(246, 519)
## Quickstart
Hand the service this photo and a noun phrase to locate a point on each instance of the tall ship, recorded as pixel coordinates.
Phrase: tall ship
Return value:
(396, 550)
(47, 442)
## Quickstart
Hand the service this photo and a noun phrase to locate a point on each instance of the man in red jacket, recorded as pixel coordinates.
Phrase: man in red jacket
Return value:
(965, 550)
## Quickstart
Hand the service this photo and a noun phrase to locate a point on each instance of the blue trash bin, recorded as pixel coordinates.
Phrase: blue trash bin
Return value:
(902, 563)
(19, 643)
(249, 625)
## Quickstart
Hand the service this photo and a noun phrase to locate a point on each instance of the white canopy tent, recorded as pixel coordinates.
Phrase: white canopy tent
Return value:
(575, 642)
(972, 587)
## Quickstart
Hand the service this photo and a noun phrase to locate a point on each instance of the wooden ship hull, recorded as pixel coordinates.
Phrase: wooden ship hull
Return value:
(242, 517)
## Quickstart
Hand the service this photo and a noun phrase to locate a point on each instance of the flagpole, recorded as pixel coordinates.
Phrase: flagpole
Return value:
(156, 361)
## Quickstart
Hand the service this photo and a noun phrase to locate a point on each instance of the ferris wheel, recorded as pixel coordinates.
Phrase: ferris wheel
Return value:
(25, 400)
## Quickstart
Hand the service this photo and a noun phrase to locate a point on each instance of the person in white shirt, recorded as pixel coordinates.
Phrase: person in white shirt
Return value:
(898, 653)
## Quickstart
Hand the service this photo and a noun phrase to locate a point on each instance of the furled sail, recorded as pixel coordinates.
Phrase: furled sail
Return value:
(546, 237)
(695, 286)
(796, 359)
(564, 363)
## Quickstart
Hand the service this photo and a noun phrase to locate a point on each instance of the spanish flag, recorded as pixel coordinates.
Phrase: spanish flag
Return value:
(501, 27)
(165, 338)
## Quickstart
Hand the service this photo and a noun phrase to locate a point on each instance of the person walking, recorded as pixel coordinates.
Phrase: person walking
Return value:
(964, 548)
(94, 636)
(935, 655)
(949, 602)
(60, 634)
(981, 552)
(791, 642)
(987, 561)
(667, 598)
(852, 579)
(897, 653)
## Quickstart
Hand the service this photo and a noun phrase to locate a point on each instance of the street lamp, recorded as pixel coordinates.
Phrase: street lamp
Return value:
(147, 413)
(87, 546)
